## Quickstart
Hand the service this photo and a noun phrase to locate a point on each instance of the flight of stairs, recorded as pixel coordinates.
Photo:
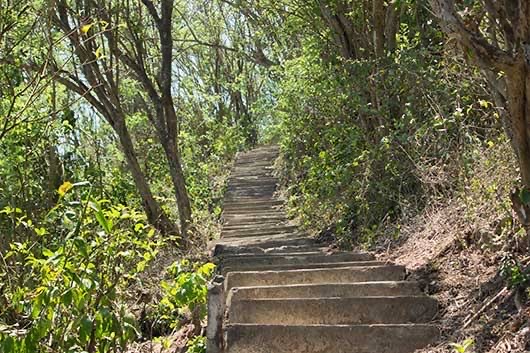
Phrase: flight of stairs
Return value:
(278, 291)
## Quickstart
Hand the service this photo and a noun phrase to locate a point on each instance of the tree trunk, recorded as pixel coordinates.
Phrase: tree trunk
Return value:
(518, 91)
(154, 212)
(393, 16)
(379, 27)
(55, 174)
(179, 185)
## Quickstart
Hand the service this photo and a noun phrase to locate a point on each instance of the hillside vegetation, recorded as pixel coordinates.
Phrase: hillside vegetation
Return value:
(403, 127)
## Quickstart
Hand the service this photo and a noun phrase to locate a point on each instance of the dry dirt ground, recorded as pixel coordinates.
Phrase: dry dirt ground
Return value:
(454, 263)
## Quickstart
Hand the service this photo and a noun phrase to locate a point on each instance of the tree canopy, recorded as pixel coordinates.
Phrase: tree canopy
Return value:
(119, 120)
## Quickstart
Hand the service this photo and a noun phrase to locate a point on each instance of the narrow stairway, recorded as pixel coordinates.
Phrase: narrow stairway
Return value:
(278, 291)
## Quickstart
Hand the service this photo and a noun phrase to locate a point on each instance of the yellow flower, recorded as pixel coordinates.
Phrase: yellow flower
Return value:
(63, 189)
(86, 28)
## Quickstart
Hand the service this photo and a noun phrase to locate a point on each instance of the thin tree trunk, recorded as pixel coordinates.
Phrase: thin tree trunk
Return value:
(518, 90)
(179, 185)
(393, 15)
(154, 212)
(379, 27)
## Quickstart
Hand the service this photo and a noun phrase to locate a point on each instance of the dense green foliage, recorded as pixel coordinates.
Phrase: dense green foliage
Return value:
(106, 129)
(370, 140)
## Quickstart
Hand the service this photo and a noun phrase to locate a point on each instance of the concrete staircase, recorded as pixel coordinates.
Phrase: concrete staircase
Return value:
(278, 291)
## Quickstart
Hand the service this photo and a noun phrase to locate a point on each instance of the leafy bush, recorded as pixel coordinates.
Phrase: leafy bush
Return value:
(356, 167)
(63, 291)
(463, 347)
(186, 293)
(196, 345)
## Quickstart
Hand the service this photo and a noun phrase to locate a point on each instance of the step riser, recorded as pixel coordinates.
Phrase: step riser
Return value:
(317, 258)
(365, 289)
(254, 219)
(321, 276)
(336, 311)
(238, 227)
(250, 206)
(339, 339)
(302, 245)
(259, 232)
(271, 241)
(244, 267)
(259, 212)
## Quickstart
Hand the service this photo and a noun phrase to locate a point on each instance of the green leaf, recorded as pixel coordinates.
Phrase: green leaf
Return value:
(103, 221)
(525, 196)
(81, 246)
(85, 328)
(47, 253)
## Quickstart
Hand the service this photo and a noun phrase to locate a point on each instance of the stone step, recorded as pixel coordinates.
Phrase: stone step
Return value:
(314, 276)
(270, 230)
(254, 221)
(295, 266)
(241, 226)
(254, 178)
(294, 258)
(245, 195)
(333, 311)
(249, 199)
(253, 174)
(251, 169)
(328, 290)
(245, 205)
(265, 242)
(251, 210)
(404, 338)
(246, 188)
(252, 181)
(255, 218)
(224, 249)
(253, 214)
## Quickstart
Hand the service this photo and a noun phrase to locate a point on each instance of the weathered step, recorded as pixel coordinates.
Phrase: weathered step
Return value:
(252, 181)
(250, 191)
(223, 249)
(242, 205)
(250, 215)
(254, 223)
(254, 220)
(293, 258)
(245, 226)
(404, 338)
(332, 311)
(270, 188)
(315, 276)
(258, 211)
(265, 242)
(252, 204)
(296, 266)
(270, 230)
(329, 290)
(248, 199)
(253, 210)
(251, 170)
(256, 174)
